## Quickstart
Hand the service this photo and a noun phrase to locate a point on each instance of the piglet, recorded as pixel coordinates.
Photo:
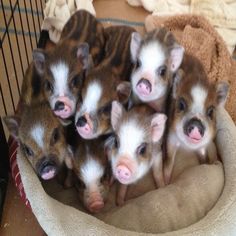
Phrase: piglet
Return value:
(192, 114)
(41, 138)
(92, 173)
(156, 56)
(135, 147)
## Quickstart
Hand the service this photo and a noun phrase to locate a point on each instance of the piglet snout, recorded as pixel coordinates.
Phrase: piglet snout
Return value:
(195, 130)
(96, 203)
(144, 87)
(63, 107)
(123, 173)
(84, 127)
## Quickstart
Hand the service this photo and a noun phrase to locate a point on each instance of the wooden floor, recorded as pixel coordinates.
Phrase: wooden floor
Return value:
(17, 218)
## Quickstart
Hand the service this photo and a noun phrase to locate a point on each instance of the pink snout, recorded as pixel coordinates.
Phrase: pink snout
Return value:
(96, 206)
(96, 202)
(85, 131)
(144, 87)
(123, 173)
(195, 135)
(63, 107)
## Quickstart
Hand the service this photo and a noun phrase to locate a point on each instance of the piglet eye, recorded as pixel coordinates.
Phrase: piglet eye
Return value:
(48, 86)
(55, 136)
(75, 80)
(210, 112)
(182, 104)
(28, 151)
(162, 70)
(80, 184)
(141, 150)
(138, 63)
(107, 109)
(116, 142)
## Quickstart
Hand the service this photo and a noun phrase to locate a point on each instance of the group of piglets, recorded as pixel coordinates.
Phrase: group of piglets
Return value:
(109, 104)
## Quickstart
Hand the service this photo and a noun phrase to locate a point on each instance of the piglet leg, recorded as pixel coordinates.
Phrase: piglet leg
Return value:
(120, 198)
(157, 171)
(170, 161)
(69, 180)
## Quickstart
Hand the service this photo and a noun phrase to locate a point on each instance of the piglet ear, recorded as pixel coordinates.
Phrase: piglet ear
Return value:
(39, 58)
(222, 89)
(158, 126)
(123, 91)
(176, 57)
(117, 111)
(83, 55)
(176, 81)
(13, 124)
(135, 43)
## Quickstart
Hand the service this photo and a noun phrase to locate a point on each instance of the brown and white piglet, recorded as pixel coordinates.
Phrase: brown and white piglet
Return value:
(105, 83)
(192, 116)
(63, 67)
(41, 139)
(135, 147)
(156, 57)
(93, 173)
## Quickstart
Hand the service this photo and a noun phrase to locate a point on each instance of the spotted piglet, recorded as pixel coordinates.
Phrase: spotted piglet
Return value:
(105, 83)
(156, 56)
(92, 173)
(41, 139)
(135, 147)
(192, 115)
(62, 68)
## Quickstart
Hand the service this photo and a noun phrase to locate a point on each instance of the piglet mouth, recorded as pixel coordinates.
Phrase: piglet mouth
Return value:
(48, 170)
(63, 108)
(144, 87)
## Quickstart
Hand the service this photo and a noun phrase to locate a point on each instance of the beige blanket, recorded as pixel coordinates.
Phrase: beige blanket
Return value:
(139, 214)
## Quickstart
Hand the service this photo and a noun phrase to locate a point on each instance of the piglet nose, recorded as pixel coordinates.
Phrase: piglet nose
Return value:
(96, 206)
(59, 106)
(81, 122)
(123, 172)
(195, 123)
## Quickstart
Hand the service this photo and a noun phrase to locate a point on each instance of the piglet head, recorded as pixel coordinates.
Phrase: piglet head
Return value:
(131, 146)
(92, 118)
(156, 57)
(62, 71)
(41, 138)
(195, 103)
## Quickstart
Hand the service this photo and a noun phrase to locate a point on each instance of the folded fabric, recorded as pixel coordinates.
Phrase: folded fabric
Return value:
(221, 14)
(201, 40)
(58, 12)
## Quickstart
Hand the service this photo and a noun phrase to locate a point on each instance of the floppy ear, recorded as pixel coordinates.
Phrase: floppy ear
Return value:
(39, 59)
(176, 57)
(135, 43)
(222, 89)
(83, 55)
(123, 91)
(175, 81)
(117, 111)
(13, 124)
(158, 126)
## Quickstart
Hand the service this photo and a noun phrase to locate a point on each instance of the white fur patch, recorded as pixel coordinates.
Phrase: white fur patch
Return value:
(152, 56)
(92, 97)
(60, 73)
(91, 172)
(37, 133)
(199, 95)
(131, 136)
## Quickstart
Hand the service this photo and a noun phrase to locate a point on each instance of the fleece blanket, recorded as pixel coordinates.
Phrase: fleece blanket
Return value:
(201, 40)
(220, 13)
(194, 195)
